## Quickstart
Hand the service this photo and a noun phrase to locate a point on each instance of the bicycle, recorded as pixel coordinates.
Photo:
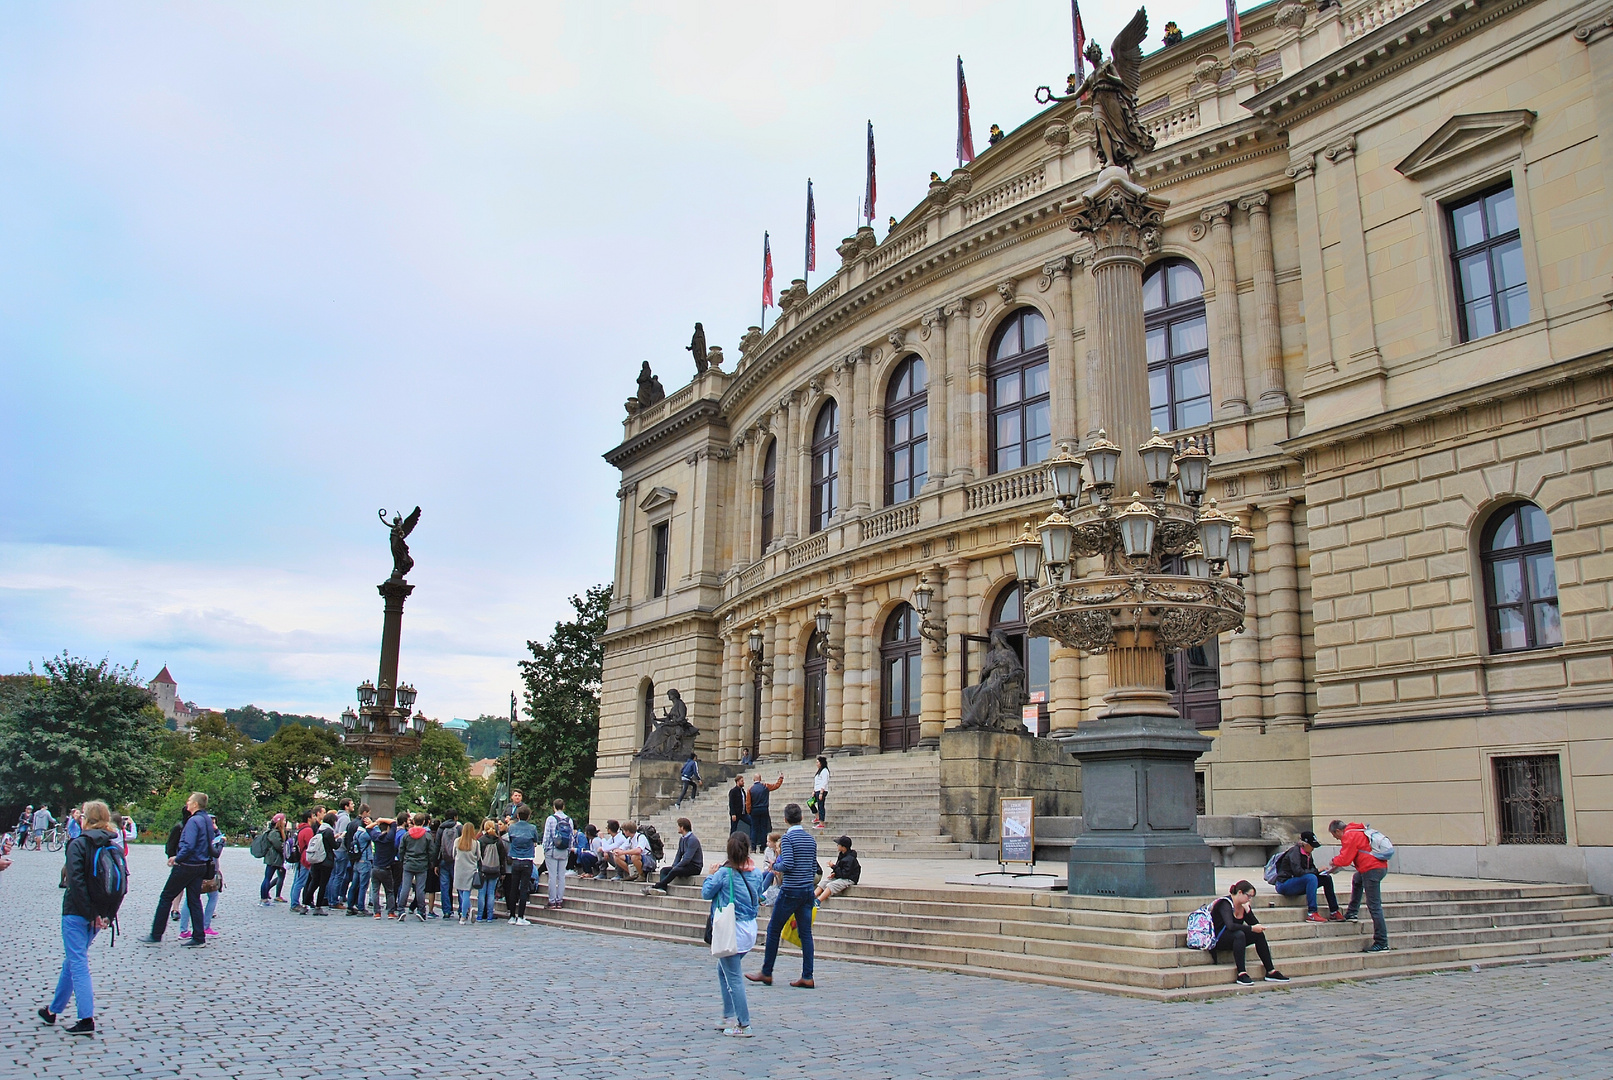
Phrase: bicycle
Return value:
(56, 837)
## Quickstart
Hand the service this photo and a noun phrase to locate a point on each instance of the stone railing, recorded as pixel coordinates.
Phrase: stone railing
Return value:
(752, 575)
(678, 399)
(824, 293)
(1007, 488)
(890, 521)
(892, 252)
(813, 547)
(1364, 18)
(1004, 195)
(1168, 125)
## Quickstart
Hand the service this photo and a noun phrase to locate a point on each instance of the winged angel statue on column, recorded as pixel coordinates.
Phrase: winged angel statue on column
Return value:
(1112, 89)
(401, 527)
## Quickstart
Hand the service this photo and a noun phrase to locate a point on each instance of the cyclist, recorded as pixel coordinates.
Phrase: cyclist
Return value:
(43, 820)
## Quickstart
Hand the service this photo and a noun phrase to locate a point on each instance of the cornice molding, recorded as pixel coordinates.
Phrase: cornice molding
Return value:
(707, 411)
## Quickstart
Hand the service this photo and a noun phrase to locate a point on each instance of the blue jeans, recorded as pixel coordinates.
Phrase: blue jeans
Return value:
(360, 886)
(77, 933)
(298, 880)
(275, 874)
(1306, 883)
(464, 903)
(797, 902)
(208, 906)
(445, 886)
(731, 978)
(339, 876)
(488, 885)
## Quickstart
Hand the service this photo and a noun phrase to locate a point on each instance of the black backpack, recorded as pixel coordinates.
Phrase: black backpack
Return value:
(347, 840)
(657, 848)
(108, 880)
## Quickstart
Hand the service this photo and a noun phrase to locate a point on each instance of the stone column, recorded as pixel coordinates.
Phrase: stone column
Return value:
(801, 465)
(1287, 660)
(622, 592)
(932, 694)
(872, 686)
(785, 490)
(966, 375)
(773, 689)
(1313, 283)
(1241, 707)
(957, 620)
(934, 325)
(834, 680)
(1226, 372)
(1064, 708)
(1362, 333)
(747, 503)
(869, 435)
(852, 423)
(1268, 328)
(854, 678)
(1062, 370)
(791, 718)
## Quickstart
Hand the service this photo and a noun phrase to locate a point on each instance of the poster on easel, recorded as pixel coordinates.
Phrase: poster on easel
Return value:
(1017, 839)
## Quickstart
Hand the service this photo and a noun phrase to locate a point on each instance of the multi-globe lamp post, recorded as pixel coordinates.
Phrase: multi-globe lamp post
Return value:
(382, 729)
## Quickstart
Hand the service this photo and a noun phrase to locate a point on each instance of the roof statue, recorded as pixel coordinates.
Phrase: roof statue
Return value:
(401, 527)
(1112, 90)
(649, 387)
(697, 346)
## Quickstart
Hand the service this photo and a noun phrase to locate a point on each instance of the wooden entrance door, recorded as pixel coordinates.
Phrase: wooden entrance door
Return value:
(901, 684)
(817, 680)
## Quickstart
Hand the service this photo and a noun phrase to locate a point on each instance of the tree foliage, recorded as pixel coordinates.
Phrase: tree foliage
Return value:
(437, 777)
(484, 735)
(555, 752)
(84, 731)
(298, 765)
(260, 726)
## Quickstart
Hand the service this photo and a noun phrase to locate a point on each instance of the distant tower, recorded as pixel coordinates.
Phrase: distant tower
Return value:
(165, 690)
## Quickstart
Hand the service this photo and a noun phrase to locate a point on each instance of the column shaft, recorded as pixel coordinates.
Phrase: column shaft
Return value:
(1268, 329)
(1061, 351)
(1287, 659)
(834, 688)
(957, 620)
(1227, 373)
(940, 442)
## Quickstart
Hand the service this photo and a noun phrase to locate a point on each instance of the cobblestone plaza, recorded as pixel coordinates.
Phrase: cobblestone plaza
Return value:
(437, 1000)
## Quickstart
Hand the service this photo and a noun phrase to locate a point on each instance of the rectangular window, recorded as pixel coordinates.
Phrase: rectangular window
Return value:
(1529, 799)
(663, 552)
(1487, 256)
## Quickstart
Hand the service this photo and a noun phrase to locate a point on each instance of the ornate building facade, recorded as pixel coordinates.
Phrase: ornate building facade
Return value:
(1381, 297)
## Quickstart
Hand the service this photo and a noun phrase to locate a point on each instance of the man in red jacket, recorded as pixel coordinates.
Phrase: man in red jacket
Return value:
(1356, 850)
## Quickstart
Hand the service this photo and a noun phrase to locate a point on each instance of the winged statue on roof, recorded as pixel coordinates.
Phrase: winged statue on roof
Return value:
(1112, 91)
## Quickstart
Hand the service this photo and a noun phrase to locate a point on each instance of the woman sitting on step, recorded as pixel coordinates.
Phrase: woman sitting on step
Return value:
(1236, 927)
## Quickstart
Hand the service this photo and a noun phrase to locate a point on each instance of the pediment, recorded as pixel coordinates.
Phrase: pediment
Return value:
(658, 498)
(1461, 135)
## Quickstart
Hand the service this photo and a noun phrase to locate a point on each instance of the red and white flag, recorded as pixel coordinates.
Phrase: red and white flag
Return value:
(1080, 42)
(811, 231)
(966, 137)
(767, 273)
(873, 190)
(1234, 30)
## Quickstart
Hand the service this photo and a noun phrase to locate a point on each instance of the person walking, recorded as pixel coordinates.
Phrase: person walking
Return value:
(43, 820)
(691, 779)
(1356, 850)
(798, 858)
(417, 847)
(192, 860)
(734, 885)
(559, 834)
(490, 859)
(820, 794)
(464, 864)
(447, 837)
(761, 819)
(270, 847)
(82, 919)
(359, 856)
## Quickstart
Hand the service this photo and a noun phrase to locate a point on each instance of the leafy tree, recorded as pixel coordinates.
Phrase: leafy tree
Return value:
(229, 796)
(555, 752)
(260, 726)
(85, 731)
(437, 778)
(484, 735)
(299, 765)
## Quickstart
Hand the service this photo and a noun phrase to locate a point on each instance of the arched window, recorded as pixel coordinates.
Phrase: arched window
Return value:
(901, 663)
(1520, 579)
(1008, 615)
(825, 465)
(649, 710)
(907, 431)
(1178, 345)
(816, 670)
(1021, 431)
(769, 487)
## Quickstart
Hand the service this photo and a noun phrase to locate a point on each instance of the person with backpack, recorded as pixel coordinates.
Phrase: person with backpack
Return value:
(341, 866)
(358, 857)
(318, 852)
(464, 871)
(635, 857)
(1236, 928)
(490, 862)
(1292, 872)
(691, 780)
(192, 861)
(297, 837)
(1359, 846)
(384, 856)
(559, 836)
(417, 845)
(740, 888)
(447, 837)
(96, 880)
(270, 847)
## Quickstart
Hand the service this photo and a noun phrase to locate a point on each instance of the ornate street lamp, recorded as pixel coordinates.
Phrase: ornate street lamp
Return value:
(1056, 536)
(349, 720)
(1138, 525)
(824, 619)
(1103, 456)
(1192, 471)
(759, 664)
(1239, 552)
(1157, 454)
(1028, 557)
(1064, 470)
(933, 632)
(366, 694)
(1215, 533)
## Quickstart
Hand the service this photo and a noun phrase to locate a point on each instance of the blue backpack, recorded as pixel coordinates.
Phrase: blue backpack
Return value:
(561, 839)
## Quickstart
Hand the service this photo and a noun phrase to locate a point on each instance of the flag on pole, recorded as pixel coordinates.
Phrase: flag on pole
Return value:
(767, 273)
(1234, 30)
(868, 196)
(811, 231)
(1081, 41)
(966, 137)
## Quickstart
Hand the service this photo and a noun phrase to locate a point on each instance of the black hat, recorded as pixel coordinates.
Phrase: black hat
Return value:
(843, 841)
(1310, 838)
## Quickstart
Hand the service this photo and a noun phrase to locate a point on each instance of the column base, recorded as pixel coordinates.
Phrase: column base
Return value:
(381, 793)
(927, 742)
(1150, 865)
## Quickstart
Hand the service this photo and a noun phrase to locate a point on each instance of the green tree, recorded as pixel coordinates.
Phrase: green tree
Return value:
(555, 752)
(299, 765)
(437, 777)
(86, 731)
(260, 726)
(484, 735)
(230, 798)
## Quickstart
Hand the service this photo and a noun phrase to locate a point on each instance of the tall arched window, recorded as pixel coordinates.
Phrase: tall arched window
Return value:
(1008, 615)
(825, 465)
(769, 488)
(907, 431)
(1021, 431)
(816, 670)
(1520, 579)
(1178, 345)
(901, 663)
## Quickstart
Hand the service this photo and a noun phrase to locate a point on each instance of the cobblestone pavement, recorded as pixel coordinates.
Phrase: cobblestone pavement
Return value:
(276, 995)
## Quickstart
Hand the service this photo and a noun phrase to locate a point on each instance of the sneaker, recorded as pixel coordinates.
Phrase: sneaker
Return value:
(1337, 916)
(149, 940)
(173, 916)
(279, 899)
(632, 874)
(194, 943)
(1316, 916)
(184, 935)
(737, 1032)
(267, 903)
(1350, 916)
(1276, 976)
(210, 932)
(85, 1026)
(321, 911)
(722, 1025)
(1244, 979)
(377, 914)
(432, 915)
(48, 1017)
(1379, 947)
(419, 916)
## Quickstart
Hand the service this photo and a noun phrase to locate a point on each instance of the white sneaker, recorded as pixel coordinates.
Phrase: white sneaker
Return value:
(737, 1032)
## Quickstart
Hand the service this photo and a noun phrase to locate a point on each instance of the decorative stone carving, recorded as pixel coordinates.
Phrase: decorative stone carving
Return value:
(631, 405)
(961, 307)
(930, 322)
(1340, 150)
(1291, 17)
(650, 391)
(959, 183)
(1245, 57)
(1300, 170)
(714, 356)
(848, 249)
(938, 193)
(1594, 30)
(750, 342)
(1206, 73)
(1197, 231)
(1117, 213)
(867, 239)
(995, 703)
(1051, 271)
(979, 309)
(1057, 135)
(674, 736)
(1007, 289)
(1219, 212)
(897, 338)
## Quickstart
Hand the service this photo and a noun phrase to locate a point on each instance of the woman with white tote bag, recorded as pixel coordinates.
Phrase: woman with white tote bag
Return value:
(734, 890)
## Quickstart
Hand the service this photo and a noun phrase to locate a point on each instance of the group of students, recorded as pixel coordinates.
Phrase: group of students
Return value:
(343, 860)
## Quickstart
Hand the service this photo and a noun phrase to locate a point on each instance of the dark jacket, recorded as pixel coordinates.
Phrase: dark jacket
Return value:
(847, 868)
(1294, 863)
(196, 842)
(171, 848)
(484, 857)
(689, 854)
(275, 854)
(417, 850)
(385, 846)
(1221, 915)
(80, 850)
(759, 793)
(736, 804)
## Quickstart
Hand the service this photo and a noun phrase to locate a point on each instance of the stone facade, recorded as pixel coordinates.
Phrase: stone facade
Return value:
(1310, 177)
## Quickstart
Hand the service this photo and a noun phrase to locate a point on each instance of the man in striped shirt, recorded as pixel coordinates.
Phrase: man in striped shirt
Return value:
(798, 859)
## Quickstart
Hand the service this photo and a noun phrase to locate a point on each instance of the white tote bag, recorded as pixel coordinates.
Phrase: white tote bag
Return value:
(725, 926)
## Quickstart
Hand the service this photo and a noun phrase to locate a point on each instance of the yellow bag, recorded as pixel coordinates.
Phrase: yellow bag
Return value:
(792, 933)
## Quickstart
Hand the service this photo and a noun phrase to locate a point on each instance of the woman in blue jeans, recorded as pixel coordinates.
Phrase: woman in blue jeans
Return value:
(1297, 873)
(80, 921)
(736, 882)
(491, 857)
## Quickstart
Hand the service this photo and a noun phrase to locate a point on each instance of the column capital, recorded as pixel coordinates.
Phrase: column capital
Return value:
(1218, 215)
(1341, 150)
(931, 321)
(1596, 29)
(959, 308)
(1258, 202)
(1121, 218)
(1301, 170)
(1052, 270)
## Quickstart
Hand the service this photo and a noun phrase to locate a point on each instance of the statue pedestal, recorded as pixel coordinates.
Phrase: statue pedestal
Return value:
(381, 793)
(1139, 809)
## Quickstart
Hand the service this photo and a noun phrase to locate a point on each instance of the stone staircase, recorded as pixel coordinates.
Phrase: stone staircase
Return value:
(1136, 947)
(889, 804)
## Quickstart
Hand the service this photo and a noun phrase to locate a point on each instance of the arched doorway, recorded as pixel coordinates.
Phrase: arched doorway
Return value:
(901, 663)
(1008, 615)
(816, 670)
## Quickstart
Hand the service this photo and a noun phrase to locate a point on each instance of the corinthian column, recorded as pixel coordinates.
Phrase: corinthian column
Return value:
(1227, 371)
(1268, 332)
(967, 377)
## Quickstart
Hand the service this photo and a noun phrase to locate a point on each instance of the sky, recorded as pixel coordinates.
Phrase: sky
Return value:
(269, 268)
